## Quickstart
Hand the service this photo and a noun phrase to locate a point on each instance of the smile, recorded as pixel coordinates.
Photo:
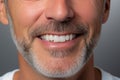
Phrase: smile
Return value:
(58, 38)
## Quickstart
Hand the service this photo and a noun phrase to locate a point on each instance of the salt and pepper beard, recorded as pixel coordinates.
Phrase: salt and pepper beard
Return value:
(26, 51)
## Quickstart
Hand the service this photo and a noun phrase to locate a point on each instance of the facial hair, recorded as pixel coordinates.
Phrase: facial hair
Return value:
(25, 47)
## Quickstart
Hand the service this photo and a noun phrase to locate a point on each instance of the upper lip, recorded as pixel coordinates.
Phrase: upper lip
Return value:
(80, 33)
(59, 33)
(62, 33)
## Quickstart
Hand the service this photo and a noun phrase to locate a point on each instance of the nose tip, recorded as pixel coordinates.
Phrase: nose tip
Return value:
(59, 11)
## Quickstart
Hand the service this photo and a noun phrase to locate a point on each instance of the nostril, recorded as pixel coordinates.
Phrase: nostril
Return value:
(49, 18)
(60, 18)
(67, 20)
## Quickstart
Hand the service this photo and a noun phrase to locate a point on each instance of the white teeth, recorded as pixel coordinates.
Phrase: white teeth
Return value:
(57, 38)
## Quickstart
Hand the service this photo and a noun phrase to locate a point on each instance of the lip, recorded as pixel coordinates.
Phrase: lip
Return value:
(59, 45)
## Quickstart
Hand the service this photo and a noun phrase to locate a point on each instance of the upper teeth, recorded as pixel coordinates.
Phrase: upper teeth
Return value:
(58, 38)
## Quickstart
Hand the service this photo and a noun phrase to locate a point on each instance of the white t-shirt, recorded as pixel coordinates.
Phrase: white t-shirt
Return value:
(105, 76)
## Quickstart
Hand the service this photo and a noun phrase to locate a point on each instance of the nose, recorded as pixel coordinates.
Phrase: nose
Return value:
(59, 10)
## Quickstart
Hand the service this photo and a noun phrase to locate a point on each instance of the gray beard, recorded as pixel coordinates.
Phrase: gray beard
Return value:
(32, 60)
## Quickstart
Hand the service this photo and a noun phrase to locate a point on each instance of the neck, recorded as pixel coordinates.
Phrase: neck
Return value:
(88, 72)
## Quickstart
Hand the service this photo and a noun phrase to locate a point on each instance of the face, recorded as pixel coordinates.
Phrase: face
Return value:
(55, 37)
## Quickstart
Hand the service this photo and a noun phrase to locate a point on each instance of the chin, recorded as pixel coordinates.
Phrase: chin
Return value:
(59, 67)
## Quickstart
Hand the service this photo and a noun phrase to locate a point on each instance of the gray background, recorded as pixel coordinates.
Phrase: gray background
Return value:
(107, 53)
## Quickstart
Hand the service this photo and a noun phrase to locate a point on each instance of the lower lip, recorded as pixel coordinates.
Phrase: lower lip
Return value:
(61, 45)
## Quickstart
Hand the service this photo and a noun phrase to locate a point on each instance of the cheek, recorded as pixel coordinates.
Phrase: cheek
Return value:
(89, 15)
(24, 16)
(86, 10)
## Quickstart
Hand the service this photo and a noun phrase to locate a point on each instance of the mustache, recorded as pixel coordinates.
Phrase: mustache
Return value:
(58, 27)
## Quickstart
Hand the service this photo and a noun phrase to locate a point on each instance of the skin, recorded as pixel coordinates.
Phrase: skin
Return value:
(26, 17)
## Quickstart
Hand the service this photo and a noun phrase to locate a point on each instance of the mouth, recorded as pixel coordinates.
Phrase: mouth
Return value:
(58, 38)
(66, 42)
(60, 45)
(60, 41)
